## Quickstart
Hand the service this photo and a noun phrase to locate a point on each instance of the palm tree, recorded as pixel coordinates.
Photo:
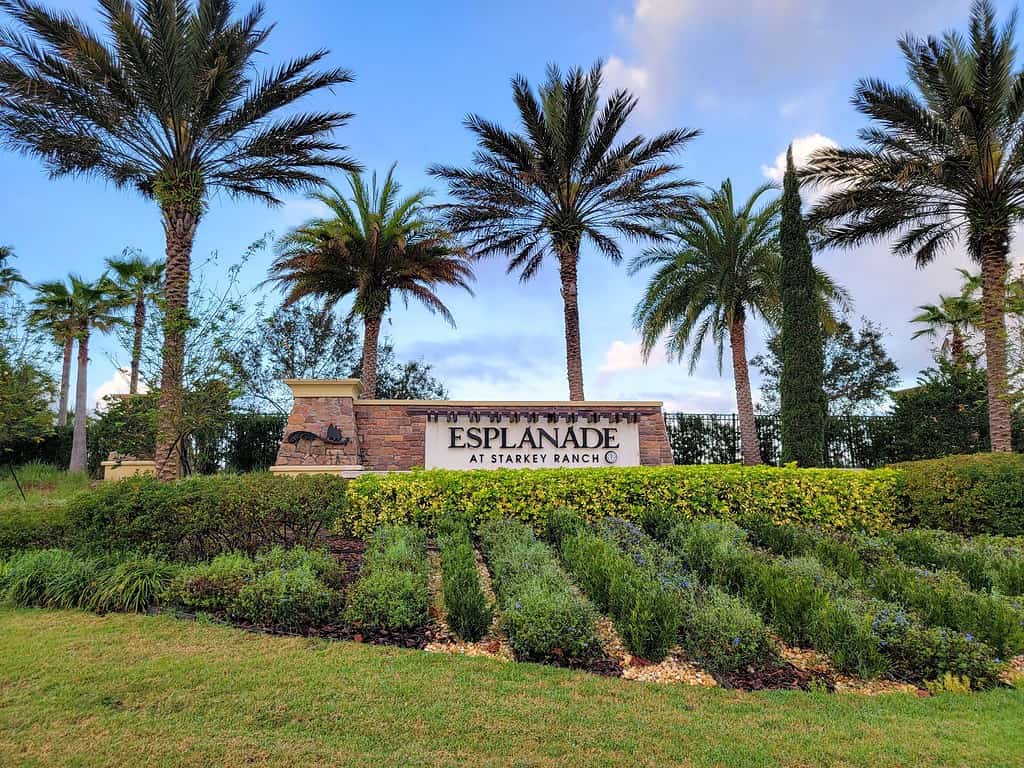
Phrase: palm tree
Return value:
(954, 317)
(170, 102)
(943, 163)
(721, 269)
(139, 280)
(372, 246)
(9, 276)
(53, 311)
(94, 308)
(564, 180)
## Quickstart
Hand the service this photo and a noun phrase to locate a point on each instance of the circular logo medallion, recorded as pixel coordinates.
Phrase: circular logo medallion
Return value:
(611, 457)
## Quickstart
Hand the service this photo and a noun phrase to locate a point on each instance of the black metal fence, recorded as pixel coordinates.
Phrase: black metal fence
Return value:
(714, 438)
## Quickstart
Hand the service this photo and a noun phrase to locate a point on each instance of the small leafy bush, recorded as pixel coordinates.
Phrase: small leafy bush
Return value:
(200, 517)
(977, 493)
(723, 633)
(541, 615)
(792, 596)
(468, 612)
(943, 599)
(988, 563)
(213, 586)
(319, 561)
(289, 599)
(392, 589)
(831, 498)
(923, 654)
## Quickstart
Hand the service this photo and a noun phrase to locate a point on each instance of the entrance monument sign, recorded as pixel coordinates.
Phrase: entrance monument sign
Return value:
(331, 429)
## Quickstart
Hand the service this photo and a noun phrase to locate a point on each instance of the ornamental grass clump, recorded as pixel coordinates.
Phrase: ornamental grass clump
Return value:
(467, 609)
(392, 589)
(542, 616)
(134, 584)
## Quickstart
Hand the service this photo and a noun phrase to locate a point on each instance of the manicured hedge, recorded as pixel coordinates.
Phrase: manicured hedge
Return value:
(35, 524)
(199, 517)
(829, 498)
(979, 493)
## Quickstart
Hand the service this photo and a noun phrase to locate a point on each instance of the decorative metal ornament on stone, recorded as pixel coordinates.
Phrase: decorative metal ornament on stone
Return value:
(333, 436)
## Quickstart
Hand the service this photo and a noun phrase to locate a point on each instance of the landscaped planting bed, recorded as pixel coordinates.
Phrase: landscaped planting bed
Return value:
(751, 605)
(543, 617)
(811, 604)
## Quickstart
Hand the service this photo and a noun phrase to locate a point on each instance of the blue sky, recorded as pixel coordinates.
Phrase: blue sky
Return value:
(754, 75)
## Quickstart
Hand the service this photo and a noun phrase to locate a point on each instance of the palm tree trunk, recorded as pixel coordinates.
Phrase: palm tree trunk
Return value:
(65, 382)
(179, 232)
(749, 446)
(568, 260)
(994, 269)
(79, 452)
(957, 349)
(140, 325)
(371, 340)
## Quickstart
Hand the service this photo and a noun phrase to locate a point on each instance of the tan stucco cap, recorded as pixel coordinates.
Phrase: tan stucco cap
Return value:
(324, 387)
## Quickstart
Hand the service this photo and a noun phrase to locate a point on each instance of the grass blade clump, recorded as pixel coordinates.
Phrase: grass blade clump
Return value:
(132, 585)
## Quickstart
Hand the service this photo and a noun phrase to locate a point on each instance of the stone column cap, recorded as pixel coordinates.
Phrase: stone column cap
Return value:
(325, 387)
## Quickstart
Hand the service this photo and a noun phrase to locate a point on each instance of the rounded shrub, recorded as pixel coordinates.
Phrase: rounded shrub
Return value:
(288, 599)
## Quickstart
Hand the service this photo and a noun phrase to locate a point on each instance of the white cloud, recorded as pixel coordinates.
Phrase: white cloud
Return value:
(803, 148)
(619, 75)
(624, 356)
(118, 384)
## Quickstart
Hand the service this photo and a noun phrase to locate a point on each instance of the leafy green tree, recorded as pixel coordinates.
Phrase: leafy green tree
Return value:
(945, 414)
(801, 386)
(94, 308)
(943, 163)
(53, 311)
(567, 179)
(25, 394)
(373, 246)
(170, 103)
(411, 380)
(859, 373)
(139, 280)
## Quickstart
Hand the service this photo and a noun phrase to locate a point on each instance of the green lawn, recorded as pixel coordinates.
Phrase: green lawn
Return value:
(84, 690)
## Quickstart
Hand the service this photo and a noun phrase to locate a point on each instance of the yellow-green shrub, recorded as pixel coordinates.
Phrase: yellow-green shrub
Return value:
(828, 498)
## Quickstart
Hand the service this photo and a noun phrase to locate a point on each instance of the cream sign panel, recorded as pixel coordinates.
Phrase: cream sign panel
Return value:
(473, 443)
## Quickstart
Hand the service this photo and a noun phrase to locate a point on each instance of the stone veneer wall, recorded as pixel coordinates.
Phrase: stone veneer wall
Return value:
(390, 435)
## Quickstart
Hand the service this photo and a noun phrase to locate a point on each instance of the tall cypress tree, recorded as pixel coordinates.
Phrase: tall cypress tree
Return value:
(803, 404)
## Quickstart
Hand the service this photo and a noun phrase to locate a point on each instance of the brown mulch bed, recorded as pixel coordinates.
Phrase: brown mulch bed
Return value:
(777, 675)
